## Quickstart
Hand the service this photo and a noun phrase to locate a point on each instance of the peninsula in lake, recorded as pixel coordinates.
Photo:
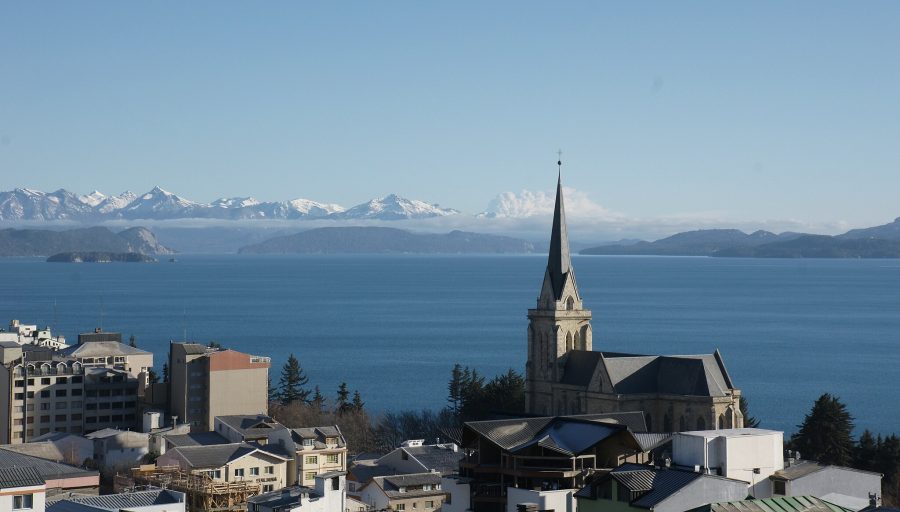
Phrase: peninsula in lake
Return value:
(45, 242)
(374, 240)
(875, 242)
(101, 257)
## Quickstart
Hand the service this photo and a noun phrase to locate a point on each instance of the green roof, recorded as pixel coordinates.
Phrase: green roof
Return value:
(781, 504)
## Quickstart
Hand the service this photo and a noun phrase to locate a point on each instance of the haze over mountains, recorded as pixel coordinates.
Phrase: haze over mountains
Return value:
(158, 204)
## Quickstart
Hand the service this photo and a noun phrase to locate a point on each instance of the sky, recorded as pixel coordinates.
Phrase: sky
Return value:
(675, 113)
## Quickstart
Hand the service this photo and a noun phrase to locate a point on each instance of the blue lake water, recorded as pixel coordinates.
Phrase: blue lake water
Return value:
(393, 326)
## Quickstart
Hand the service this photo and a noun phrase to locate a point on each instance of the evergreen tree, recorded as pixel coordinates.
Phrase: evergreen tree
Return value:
(318, 401)
(825, 434)
(273, 392)
(865, 454)
(152, 376)
(214, 344)
(132, 341)
(357, 404)
(749, 421)
(291, 386)
(343, 396)
(454, 388)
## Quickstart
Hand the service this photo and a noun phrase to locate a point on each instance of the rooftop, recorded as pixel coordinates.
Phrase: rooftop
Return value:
(102, 349)
(216, 456)
(117, 502)
(780, 504)
(283, 498)
(14, 477)
(48, 470)
(253, 426)
(197, 439)
(567, 434)
(731, 432)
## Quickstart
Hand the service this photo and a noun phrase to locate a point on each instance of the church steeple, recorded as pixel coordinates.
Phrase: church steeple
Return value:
(559, 263)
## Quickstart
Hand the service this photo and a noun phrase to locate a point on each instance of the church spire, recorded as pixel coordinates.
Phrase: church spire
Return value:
(559, 263)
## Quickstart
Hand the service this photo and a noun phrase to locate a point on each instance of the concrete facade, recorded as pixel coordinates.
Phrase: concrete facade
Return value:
(208, 382)
(747, 454)
(562, 500)
(842, 486)
(328, 494)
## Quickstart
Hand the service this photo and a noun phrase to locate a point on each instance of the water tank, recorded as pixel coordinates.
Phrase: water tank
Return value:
(152, 420)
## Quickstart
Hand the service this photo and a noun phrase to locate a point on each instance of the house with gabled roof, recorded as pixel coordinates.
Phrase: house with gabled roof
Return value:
(417, 492)
(412, 456)
(149, 500)
(233, 462)
(22, 488)
(534, 458)
(642, 487)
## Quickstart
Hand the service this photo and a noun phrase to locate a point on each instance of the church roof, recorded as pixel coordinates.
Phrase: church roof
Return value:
(559, 263)
(690, 375)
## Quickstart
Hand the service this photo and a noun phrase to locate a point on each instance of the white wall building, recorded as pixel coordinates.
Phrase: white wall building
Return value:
(562, 500)
(21, 488)
(329, 495)
(747, 454)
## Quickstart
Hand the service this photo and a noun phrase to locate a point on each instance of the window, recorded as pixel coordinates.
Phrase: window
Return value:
(19, 396)
(19, 408)
(104, 405)
(402, 489)
(23, 501)
(429, 504)
(91, 407)
(60, 417)
(91, 419)
(307, 442)
(61, 405)
(426, 487)
(76, 392)
(45, 419)
(76, 404)
(239, 472)
(333, 459)
(76, 417)
(778, 487)
(62, 380)
(20, 383)
(311, 459)
(270, 470)
(268, 488)
(45, 393)
(45, 381)
(254, 471)
(76, 380)
(401, 507)
(61, 392)
(309, 475)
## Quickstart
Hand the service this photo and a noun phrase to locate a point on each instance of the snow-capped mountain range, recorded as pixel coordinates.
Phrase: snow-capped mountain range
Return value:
(24, 204)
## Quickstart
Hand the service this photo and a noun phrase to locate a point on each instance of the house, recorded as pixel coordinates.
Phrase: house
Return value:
(418, 492)
(641, 487)
(748, 454)
(21, 488)
(151, 500)
(839, 485)
(780, 504)
(412, 456)
(234, 462)
(73, 448)
(539, 456)
(119, 449)
(58, 478)
(318, 450)
(328, 495)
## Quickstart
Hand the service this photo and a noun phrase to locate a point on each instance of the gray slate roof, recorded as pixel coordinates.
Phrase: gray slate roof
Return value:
(512, 434)
(318, 435)
(436, 458)
(391, 485)
(282, 498)
(559, 264)
(11, 478)
(48, 470)
(252, 426)
(197, 439)
(117, 502)
(100, 349)
(214, 456)
(689, 375)
(46, 450)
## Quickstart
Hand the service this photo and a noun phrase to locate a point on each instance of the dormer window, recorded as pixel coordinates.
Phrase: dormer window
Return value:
(426, 487)
(402, 489)
(307, 442)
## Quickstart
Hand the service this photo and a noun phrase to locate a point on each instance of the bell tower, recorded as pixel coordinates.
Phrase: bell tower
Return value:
(559, 323)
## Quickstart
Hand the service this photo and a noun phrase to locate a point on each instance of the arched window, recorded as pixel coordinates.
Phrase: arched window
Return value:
(576, 344)
(568, 341)
(570, 304)
(649, 422)
(721, 421)
(667, 423)
(701, 423)
(682, 424)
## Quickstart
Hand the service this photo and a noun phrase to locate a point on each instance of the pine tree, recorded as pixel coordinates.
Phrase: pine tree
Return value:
(864, 456)
(749, 421)
(454, 388)
(214, 344)
(152, 376)
(342, 396)
(826, 433)
(273, 392)
(132, 341)
(318, 401)
(357, 404)
(291, 386)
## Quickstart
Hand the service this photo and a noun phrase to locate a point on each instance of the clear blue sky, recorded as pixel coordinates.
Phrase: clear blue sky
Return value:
(746, 111)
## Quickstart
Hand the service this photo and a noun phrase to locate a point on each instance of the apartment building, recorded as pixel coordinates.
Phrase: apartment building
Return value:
(207, 382)
(30, 334)
(418, 492)
(319, 450)
(81, 389)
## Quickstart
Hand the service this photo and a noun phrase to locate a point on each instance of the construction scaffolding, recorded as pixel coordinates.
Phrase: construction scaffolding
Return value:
(202, 494)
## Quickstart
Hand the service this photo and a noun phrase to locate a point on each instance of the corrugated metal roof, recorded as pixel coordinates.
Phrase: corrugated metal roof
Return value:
(411, 480)
(48, 470)
(11, 478)
(102, 348)
(778, 504)
(556, 432)
(213, 456)
(649, 441)
(116, 502)
(197, 439)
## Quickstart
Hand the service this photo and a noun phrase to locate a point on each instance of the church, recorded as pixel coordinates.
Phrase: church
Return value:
(564, 375)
